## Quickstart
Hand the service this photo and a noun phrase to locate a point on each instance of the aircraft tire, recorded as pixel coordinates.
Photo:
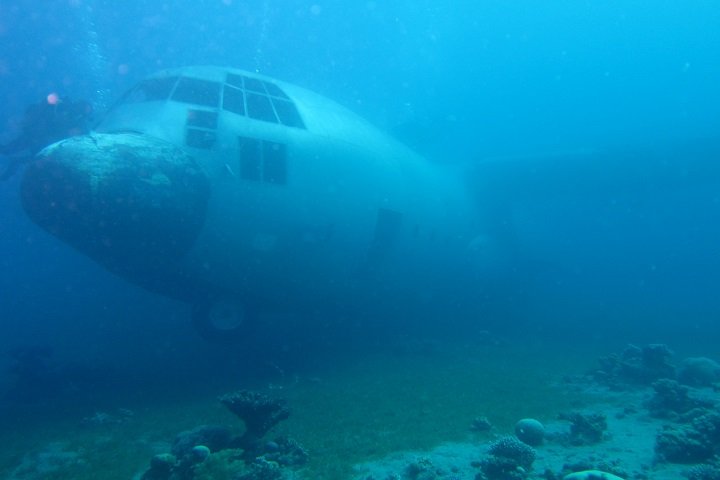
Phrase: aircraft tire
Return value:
(220, 320)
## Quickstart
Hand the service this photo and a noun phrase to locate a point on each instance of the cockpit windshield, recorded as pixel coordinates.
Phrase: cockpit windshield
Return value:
(260, 100)
(240, 95)
(197, 92)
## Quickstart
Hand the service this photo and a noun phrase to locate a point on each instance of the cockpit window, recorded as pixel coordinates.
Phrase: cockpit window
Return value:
(260, 108)
(235, 80)
(287, 113)
(197, 92)
(153, 89)
(254, 85)
(202, 119)
(259, 100)
(275, 91)
(234, 100)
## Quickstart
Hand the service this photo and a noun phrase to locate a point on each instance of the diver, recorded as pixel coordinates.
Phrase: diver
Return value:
(45, 123)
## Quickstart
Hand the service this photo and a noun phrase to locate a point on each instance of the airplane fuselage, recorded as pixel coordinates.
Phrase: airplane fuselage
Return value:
(285, 198)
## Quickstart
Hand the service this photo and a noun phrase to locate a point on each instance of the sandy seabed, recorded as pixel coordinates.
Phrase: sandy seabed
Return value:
(368, 416)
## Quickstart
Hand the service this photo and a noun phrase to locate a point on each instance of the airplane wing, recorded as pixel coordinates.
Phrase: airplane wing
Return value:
(636, 170)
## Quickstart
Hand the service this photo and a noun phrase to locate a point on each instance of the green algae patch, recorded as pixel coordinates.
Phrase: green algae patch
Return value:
(382, 404)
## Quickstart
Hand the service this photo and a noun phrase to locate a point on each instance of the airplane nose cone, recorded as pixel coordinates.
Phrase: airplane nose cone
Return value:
(133, 203)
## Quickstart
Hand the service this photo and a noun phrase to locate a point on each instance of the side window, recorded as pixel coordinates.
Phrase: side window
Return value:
(201, 125)
(202, 119)
(263, 161)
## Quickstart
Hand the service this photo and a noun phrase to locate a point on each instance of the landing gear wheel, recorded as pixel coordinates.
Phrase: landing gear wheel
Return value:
(221, 320)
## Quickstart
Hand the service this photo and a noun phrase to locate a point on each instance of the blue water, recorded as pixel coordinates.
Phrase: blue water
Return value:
(459, 81)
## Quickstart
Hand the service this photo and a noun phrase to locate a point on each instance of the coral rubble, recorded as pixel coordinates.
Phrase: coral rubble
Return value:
(636, 365)
(670, 399)
(585, 429)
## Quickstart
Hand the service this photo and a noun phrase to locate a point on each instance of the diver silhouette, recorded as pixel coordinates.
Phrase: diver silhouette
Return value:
(45, 123)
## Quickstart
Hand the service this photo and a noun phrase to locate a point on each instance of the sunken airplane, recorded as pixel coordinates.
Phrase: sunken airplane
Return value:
(243, 195)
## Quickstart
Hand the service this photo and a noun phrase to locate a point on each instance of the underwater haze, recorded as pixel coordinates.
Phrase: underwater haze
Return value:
(98, 375)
